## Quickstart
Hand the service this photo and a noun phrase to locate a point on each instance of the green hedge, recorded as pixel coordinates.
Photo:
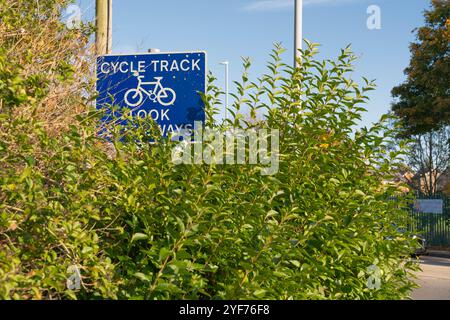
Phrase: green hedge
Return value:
(139, 227)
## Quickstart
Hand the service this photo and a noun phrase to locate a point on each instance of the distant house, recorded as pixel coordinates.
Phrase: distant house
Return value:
(421, 180)
(443, 182)
(440, 181)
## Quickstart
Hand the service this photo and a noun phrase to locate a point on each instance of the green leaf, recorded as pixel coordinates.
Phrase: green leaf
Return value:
(260, 293)
(163, 254)
(138, 237)
(296, 263)
(141, 277)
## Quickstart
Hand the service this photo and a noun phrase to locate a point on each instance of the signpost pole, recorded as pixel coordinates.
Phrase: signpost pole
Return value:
(103, 21)
(109, 37)
(298, 39)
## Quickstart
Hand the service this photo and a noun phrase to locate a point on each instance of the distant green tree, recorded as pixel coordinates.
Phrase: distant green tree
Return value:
(423, 101)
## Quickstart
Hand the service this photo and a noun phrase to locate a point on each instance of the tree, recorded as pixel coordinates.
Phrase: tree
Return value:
(423, 101)
(429, 158)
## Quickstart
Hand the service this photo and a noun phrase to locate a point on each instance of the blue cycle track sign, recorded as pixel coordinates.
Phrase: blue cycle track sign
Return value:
(162, 86)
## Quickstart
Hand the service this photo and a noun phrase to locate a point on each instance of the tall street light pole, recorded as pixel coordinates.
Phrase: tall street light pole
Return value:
(103, 22)
(226, 64)
(298, 30)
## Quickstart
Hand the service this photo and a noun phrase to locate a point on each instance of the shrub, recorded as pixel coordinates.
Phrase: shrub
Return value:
(139, 227)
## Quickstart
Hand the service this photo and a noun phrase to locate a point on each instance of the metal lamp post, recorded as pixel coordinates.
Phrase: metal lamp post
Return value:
(298, 30)
(226, 64)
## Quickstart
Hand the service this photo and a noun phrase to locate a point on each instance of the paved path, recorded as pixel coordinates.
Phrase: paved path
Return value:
(434, 280)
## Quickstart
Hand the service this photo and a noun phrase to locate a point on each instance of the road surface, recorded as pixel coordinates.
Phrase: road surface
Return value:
(434, 279)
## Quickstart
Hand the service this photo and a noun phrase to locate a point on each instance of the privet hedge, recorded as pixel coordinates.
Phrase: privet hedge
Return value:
(139, 227)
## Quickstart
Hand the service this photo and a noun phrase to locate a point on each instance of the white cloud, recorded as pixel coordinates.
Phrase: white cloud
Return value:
(272, 5)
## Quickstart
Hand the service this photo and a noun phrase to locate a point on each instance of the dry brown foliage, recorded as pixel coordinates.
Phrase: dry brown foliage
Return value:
(46, 51)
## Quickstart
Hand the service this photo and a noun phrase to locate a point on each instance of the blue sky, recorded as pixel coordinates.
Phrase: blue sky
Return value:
(230, 29)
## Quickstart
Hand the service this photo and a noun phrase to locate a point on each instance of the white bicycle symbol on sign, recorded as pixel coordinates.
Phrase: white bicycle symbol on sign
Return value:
(165, 96)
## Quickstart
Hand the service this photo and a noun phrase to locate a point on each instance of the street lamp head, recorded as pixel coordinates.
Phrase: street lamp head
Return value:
(225, 63)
